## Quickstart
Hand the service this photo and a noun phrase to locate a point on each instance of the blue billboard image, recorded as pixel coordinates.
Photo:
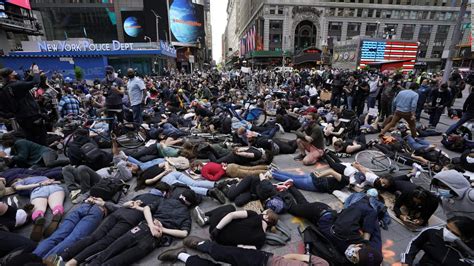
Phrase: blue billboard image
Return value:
(131, 27)
(186, 21)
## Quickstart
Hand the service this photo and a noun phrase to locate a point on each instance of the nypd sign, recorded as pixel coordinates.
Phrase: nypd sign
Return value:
(82, 46)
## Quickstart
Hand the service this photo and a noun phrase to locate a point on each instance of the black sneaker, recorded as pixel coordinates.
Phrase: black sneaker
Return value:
(171, 254)
(38, 227)
(193, 241)
(299, 157)
(199, 216)
(216, 194)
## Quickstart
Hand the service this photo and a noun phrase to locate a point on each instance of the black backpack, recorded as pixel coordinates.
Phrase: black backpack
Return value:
(108, 189)
(320, 246)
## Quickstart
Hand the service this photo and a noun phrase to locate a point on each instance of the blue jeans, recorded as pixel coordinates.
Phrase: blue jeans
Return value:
(417, 144)
(138, 113)
(77, 224)
(349, 102)
(270, 133)
(199, 186)
(465, 117)
(145, 165)
(371, 101)
(304, 182)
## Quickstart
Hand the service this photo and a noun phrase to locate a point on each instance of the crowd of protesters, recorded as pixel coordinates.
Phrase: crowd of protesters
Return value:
(129, 202)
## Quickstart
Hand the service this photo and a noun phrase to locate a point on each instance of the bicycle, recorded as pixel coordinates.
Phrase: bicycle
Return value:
(255, 115)
(130, 135)
(375, 161)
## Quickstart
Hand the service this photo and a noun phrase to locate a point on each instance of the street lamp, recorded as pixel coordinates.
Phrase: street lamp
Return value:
(147, 38)
(377, 29)
(157, 17)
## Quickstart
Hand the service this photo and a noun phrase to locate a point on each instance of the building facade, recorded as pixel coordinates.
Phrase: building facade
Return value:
(17, 24)
(292, 26)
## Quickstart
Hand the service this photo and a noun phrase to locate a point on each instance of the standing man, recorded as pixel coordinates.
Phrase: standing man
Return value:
(17, 100)
(440, 99)
(113, 92)
(136, 94)
(405, 107)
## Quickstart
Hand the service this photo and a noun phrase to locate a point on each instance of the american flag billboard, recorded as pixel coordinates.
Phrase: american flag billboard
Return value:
(388, 51)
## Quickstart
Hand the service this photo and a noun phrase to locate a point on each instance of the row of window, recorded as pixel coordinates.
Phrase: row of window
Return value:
(406, 2)
(390, 14)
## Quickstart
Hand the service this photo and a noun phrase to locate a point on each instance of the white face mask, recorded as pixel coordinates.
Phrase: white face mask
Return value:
(448, 236)
(351, 253)
(20, 217)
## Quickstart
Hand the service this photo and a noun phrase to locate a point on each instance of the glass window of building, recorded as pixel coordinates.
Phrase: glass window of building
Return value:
(359, 12)
(370, 13)
(280, 10)
(424, 38)
(335, 30)
(390, 30)
(330, 12)
(395, 14)
(276, 34)
(407, 32)
(353, 29)
(413, 14)
(371, 29)
(339, 12)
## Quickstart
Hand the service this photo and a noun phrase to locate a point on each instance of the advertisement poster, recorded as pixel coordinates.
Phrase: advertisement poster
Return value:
(133, 26)
(186, 22)
(20, 3)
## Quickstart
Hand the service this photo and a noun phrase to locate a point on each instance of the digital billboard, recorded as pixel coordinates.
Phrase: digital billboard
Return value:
(20, 3)
(186, 22)
(389, 51)
(133, 26)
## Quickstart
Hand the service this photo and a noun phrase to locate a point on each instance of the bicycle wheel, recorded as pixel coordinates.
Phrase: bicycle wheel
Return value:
(375, 161)
(256, 116)
(131, 135)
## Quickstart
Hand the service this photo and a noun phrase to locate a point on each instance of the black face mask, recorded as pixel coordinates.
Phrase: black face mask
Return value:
(130, 76)
(18, 77)
(109, 73)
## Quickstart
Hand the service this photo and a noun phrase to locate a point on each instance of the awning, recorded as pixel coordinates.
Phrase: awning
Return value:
(306, 58)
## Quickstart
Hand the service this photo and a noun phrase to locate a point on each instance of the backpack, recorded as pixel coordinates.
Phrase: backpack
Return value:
(320, 246)
(94, 157)
(108, 189)
(279, 236)
(180, 163)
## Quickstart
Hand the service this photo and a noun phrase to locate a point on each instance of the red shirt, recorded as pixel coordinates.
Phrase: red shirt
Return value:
(212, 171)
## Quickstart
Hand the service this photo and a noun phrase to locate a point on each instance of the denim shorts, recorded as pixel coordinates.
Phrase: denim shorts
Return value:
(45, 192)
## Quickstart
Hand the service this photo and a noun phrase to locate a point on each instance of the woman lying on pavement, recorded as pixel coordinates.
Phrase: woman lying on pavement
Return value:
(234, 255)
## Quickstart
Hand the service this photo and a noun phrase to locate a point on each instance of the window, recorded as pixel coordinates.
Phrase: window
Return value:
(407, 32)
(335, 30)
(353, 29)
(424, 38)
(371, 29)
(275, 35)
(280, 10)
(359, 12)
(370, 13)
(396, 14)
(413, 14)
(377, 13)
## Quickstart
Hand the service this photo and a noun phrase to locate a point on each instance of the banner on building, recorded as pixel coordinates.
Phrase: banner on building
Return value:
(21, 3)
(249, 41)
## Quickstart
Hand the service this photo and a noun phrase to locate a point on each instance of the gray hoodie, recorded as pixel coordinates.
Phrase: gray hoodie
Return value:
(462, 204)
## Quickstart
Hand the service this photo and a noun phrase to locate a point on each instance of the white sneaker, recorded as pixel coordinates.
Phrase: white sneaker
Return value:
(280, 128)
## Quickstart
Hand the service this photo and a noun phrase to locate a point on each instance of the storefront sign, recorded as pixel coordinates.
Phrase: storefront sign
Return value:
(167, 49)
(82, 46)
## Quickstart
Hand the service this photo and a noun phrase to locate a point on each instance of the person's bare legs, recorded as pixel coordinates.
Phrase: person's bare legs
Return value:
(301, 146)
(71, 262)
(40, 204)
(56, 199)
(412, 126)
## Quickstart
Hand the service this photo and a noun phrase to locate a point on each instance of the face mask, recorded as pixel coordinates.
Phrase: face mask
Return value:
(448, 236)
(351, 253)
(21, 217)
(130, 76)
(444, 193)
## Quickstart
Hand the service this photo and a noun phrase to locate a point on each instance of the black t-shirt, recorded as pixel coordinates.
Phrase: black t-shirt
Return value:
(8, 219)
(112, 98)
(133, 216)
(172, 214)
(246, 231)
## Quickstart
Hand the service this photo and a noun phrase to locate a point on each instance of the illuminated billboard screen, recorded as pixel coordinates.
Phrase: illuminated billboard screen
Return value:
(133, 26)
(160, 8)
(389, 51)
(20, 3)
(186, 21)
